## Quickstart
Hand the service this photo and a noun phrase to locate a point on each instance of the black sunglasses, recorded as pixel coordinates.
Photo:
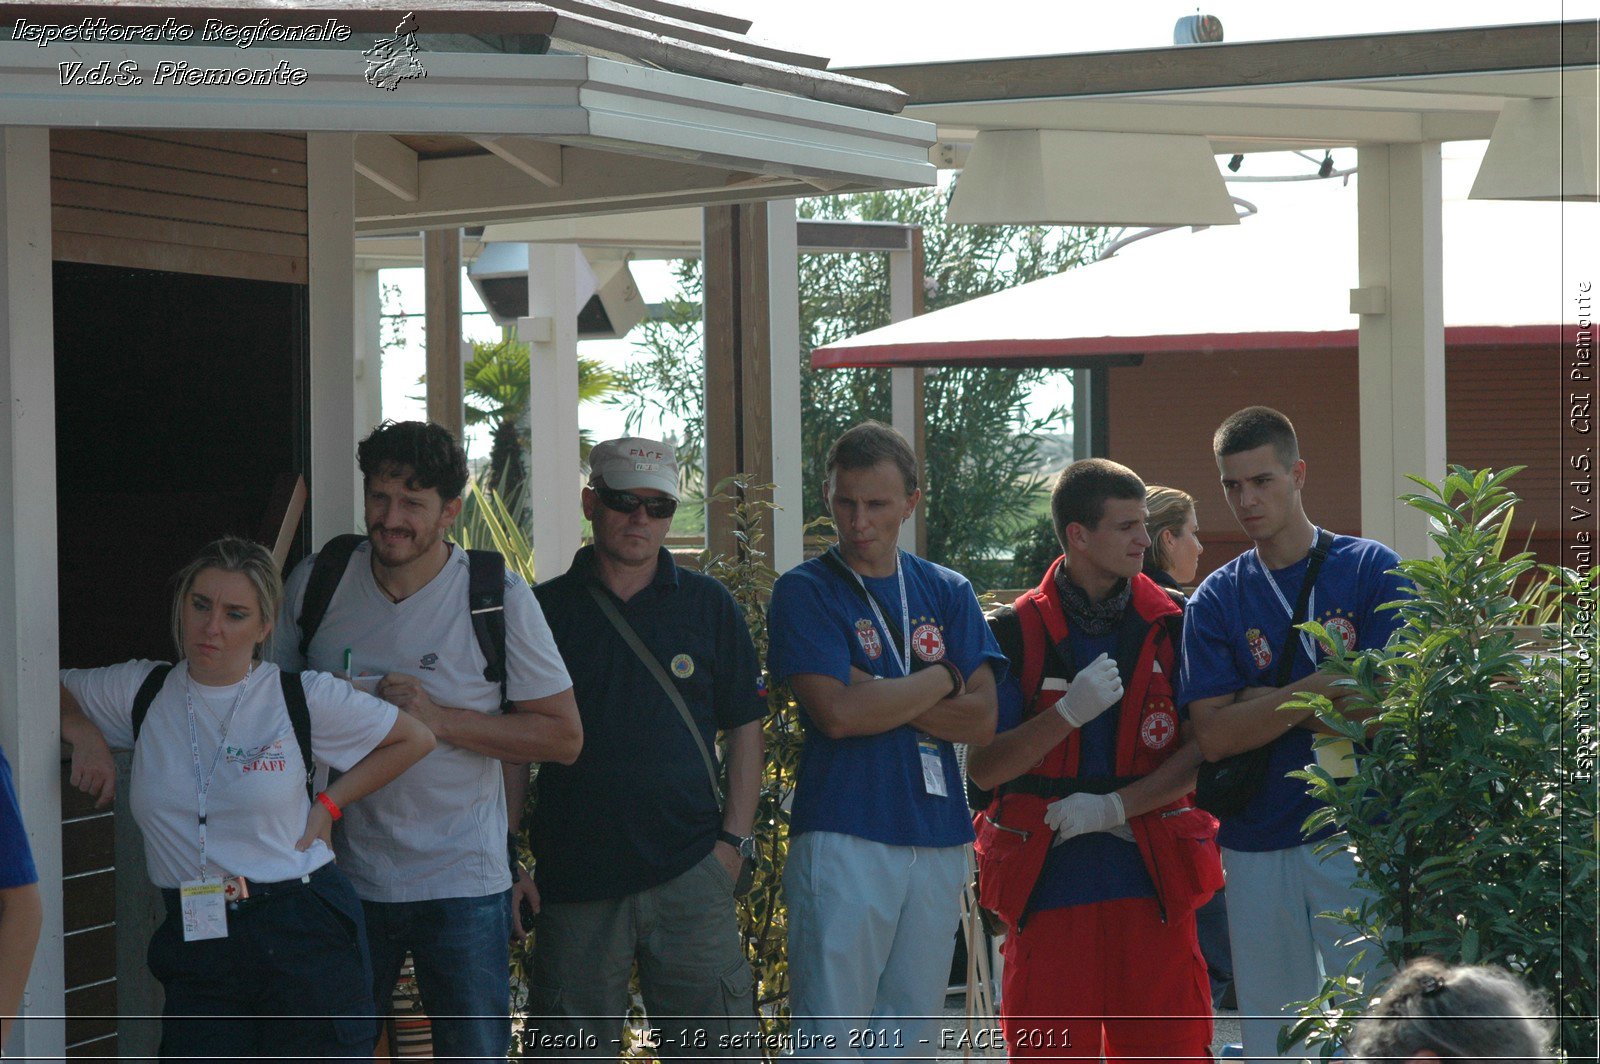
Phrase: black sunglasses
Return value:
(625, 502)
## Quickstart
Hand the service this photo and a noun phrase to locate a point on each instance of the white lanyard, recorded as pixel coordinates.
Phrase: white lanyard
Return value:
(1306, 642)
(202, 785)
(901, 659)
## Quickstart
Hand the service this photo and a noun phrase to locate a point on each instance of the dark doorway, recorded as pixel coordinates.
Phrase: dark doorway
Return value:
(179, 401)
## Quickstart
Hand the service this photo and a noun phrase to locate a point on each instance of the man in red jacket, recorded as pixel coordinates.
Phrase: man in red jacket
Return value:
(1090, 847)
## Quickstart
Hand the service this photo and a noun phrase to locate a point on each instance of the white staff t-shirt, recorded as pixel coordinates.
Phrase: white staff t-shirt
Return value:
(257, 803)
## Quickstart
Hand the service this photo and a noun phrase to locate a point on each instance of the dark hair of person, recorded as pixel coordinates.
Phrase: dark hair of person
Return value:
(230, 554)
(425, 453)
(1466, 1015)
(1082, 489)
(865, 445)
(1170, 509)
(1257, 426)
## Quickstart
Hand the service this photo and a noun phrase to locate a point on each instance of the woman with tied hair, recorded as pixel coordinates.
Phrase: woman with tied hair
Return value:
(263, 951)
(1432, 1011)
(1172, 561)
(1175, 549)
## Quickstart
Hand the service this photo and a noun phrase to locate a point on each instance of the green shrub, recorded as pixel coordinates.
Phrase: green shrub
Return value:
(1472, 814)
(763, 916)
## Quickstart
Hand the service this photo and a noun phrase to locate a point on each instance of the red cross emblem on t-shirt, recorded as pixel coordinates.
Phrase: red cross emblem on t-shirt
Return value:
(1158, 729)
(927, 642)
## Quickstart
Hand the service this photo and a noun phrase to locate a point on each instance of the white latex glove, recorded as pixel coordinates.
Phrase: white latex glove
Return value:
(1079, 814)
(1095, 689)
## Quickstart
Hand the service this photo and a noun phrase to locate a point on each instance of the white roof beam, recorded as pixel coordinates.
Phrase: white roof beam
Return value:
(478, 190)
(389, 164)
(1073, 177)
(1541, 150)
(539, 159)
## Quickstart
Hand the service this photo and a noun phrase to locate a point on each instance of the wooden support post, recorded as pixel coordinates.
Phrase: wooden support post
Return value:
(907, 385)
(330, 214)
(554, 486)
(786, 545)
(739, 381)
(441, 259)
(1401, 369)
(29, 643)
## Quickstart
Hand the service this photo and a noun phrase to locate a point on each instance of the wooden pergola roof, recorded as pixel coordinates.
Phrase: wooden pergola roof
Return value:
(657, 33)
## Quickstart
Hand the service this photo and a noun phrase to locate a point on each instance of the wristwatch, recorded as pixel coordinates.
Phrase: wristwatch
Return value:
(745, 844)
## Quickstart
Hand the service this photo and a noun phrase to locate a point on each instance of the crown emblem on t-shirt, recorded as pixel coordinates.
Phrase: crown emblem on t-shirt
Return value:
(1260, 652)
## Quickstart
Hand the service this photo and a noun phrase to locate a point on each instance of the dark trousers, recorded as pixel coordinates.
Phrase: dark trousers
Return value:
(290, 981)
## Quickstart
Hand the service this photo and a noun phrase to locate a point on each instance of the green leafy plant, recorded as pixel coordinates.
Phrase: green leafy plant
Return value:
(1472, 814)
(763, 916)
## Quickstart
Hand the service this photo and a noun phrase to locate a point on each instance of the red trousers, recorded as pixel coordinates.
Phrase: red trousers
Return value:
(1108, 978)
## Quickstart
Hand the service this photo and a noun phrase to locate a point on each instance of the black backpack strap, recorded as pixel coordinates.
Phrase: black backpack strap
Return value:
(1319, 552)
(326, 570)
(294, 699)
(486, 600)
(147, 694)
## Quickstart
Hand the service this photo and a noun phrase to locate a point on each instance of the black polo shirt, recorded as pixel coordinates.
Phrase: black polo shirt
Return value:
(636, 809)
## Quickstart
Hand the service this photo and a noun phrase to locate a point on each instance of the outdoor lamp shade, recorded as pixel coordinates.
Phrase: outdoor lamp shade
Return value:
(1077, 177)
(1541, 150)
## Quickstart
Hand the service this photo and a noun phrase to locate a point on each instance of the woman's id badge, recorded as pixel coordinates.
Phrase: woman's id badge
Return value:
(204, 909)
(932, 766)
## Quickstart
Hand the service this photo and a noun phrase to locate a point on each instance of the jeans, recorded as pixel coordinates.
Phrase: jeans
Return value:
(461, 949)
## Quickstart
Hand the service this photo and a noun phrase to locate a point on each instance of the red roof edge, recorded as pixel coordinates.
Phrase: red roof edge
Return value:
(1099, 350)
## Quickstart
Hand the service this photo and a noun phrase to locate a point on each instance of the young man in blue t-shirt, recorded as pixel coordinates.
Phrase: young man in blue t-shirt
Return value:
(1237, 628)
(892, 664)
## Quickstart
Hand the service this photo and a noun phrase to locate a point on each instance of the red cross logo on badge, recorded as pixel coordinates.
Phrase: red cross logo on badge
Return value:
(1158, 728)
(927, 642)
(1344, 627)
(867, 636)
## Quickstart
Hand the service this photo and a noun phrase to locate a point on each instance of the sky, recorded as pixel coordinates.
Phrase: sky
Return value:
(857, 33)
(853, 33)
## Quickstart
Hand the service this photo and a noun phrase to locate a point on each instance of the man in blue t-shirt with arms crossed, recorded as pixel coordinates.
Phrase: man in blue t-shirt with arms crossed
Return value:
(1237, 628)
(892, 664)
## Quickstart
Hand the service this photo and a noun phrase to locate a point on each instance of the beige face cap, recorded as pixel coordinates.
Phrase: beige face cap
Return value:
(634, 462)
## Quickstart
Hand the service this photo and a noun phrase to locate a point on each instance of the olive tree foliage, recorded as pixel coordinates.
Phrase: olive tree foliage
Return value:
(1472, 812)
(980, 441)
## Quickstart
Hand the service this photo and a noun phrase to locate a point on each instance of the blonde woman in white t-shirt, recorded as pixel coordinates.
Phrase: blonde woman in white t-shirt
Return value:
(263, 952)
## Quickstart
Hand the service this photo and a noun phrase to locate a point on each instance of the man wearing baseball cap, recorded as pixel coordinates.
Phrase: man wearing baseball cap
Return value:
(636, 848)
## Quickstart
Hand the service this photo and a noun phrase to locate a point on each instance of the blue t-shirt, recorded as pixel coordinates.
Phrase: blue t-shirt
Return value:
(1232, 634)
(871, 786)
(16, 859)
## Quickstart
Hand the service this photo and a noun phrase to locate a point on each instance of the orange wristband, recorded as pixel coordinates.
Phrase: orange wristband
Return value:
(328, 804)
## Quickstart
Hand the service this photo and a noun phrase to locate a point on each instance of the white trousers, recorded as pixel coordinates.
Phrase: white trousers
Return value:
(1282, 947)
(871, 932)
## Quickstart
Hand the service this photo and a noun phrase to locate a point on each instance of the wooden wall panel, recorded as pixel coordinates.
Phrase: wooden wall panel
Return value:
(223, 204)
(1162, 415)
(1500, 412)
(1505, 409)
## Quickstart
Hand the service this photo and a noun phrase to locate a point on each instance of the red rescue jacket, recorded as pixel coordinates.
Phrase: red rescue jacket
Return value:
(1177, 841)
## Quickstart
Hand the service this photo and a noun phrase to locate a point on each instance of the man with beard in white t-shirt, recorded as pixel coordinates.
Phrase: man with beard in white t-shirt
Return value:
(428, 854)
